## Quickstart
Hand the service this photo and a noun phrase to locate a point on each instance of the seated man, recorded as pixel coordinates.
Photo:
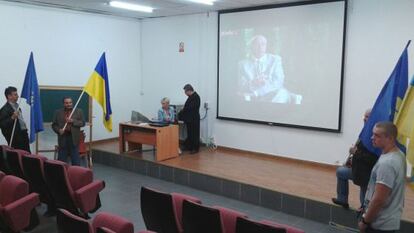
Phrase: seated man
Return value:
(357, 168)
(261, 75)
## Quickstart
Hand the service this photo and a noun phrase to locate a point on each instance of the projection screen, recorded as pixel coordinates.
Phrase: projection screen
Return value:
(282, 64)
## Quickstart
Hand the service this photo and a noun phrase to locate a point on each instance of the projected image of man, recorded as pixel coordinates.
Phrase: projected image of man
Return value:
(261, 75)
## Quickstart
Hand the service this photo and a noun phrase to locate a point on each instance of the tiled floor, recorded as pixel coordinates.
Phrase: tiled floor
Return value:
(121, 197)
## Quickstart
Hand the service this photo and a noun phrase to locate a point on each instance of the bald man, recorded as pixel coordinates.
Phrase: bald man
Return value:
(261, 75)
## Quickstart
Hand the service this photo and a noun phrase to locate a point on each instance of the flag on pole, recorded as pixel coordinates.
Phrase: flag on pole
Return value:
(30, 92)
(98, 88)
(405, 124)
(388, 102)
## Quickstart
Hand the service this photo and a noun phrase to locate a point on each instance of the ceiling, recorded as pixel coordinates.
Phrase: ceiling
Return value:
(162, 7)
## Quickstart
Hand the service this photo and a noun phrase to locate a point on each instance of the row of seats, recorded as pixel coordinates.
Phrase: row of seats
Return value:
(102, 223)
(72, 191)
(17, 212)
(172, 213)
(178, 213)
(54, 182)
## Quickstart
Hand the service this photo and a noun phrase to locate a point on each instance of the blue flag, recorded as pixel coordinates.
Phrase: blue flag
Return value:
(388, 102)
(30, 92)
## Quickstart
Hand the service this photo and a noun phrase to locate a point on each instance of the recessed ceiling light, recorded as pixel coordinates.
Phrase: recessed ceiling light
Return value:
(130, 6)
(207, 2)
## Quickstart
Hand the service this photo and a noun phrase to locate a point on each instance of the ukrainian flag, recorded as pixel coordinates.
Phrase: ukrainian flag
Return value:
(405, 125)
(98, 88)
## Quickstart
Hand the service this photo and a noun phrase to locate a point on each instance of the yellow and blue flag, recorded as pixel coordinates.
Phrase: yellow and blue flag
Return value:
(405, 124)
(388, 101)
(98, 88)
(30, 92)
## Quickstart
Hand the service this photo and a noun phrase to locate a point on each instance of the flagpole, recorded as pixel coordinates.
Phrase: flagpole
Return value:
(408, 43)
(37, 143)
(14, 124)
(74, 108)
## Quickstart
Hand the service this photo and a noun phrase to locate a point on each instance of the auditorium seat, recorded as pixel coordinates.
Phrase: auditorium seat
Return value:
(158, 211)
(14, 162)
(17, 206)
(3, 163)
(244, 225)
(33, 168)
(103, 222)
(73, 188)
(198, 218)
(229, 218)
(1, 175)
(289, 229)
(178, 199)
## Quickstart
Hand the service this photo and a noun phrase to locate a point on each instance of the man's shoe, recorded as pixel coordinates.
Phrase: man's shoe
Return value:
(193, 151)
(338, 202)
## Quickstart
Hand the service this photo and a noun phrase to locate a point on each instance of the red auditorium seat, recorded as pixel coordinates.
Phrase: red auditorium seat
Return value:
(103, 222)
(17, 206)
(3, 164)
(33, 168)
(14, 161)
(289, 229)
(244, 225)
(198, 218)
(229, 218)
(1, 175)
(178, 199)
(162, 211)
(73, 188)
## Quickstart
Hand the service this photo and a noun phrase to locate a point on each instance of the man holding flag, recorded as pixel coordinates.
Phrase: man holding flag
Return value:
(11, 117)
(12, 123)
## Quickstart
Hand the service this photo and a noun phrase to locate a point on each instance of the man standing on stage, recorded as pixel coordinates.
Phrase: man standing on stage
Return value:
(190, 114)
(68, 137)
(11, 116)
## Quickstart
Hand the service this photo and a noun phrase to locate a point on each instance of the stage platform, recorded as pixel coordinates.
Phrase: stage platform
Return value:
(295, 187)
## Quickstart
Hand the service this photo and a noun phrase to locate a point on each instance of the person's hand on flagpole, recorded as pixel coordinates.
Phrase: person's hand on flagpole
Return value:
(15, 115)
(352, 149)
(61, 131)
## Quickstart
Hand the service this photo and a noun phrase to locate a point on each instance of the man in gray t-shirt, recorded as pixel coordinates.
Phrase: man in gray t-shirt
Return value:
(384, 199)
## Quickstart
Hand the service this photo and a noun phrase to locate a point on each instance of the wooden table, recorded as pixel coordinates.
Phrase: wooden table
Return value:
(165, 139)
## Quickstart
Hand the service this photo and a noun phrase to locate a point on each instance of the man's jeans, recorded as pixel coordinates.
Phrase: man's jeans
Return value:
(69, 149)
(343, 175)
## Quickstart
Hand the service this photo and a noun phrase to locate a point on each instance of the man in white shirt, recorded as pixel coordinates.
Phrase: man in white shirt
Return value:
(261, 75)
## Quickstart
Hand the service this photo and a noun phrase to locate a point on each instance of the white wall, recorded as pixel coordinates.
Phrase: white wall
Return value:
(66, 47)
(377, 32)
(165, 71)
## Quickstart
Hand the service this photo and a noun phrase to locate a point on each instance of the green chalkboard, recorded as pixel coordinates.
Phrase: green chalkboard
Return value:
(52, 99)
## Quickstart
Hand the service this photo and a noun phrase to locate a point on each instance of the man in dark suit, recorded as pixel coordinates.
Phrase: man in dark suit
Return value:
(9, 114)
(68, 137)
(190, 114)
